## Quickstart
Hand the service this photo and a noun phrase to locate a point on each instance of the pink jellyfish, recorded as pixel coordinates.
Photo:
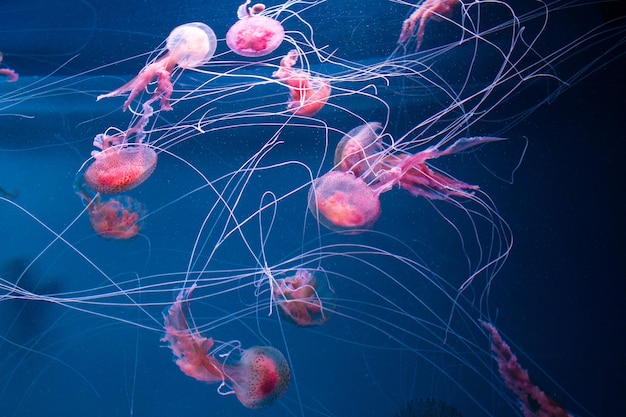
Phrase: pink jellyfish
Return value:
(119, 168)
(299, 299)
(308, 94)
(188, 46)
(429, 9)
(8, 72)
(254, 34)
(342, 200)
(115, 218)
(534, 402)
(258, 379)
(121, 165)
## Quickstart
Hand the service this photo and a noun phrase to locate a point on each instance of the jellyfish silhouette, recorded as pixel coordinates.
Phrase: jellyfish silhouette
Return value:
(258, 378)
(254, 34)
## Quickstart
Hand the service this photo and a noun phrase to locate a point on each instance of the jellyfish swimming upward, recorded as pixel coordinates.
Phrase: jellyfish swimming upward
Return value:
(258, 378)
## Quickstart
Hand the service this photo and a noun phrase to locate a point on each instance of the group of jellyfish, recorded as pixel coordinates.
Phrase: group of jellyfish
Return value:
(124, 160)
(345, 200)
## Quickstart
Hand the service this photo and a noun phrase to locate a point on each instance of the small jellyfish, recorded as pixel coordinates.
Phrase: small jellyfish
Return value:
(300, 300)
(8, 72)
(342, 202)
(119, 168)
(120, 165)
(254, 34)
(258, 378)
(308, 94)
(188, 46)
(115, 218)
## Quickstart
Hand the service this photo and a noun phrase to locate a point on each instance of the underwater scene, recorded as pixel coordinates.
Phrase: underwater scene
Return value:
(312, 208)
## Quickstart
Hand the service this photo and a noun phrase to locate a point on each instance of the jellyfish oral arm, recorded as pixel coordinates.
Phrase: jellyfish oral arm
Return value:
(421, 181)
(190, 348)
(161, 70)
(534, 402)
(12, 75)
(414, 175)
(434, 9)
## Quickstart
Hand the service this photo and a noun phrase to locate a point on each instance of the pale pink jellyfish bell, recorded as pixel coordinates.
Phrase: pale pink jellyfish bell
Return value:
(344, 202)
(191, 45)
(254, 34)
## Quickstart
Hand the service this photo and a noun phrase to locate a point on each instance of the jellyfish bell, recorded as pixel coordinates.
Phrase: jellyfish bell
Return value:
(343, 202)
(254, 34)
(356, 149)
(260, 377)
(120, 168)
(191, 45)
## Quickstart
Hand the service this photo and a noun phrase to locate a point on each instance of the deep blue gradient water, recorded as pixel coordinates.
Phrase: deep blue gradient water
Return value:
(82, 335)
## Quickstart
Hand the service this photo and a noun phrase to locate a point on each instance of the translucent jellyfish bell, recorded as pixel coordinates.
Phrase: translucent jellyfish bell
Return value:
(261, 376)
(343, 203)
(191, 45)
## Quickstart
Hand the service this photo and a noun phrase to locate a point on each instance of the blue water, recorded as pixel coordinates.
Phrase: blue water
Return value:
(557, 299)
